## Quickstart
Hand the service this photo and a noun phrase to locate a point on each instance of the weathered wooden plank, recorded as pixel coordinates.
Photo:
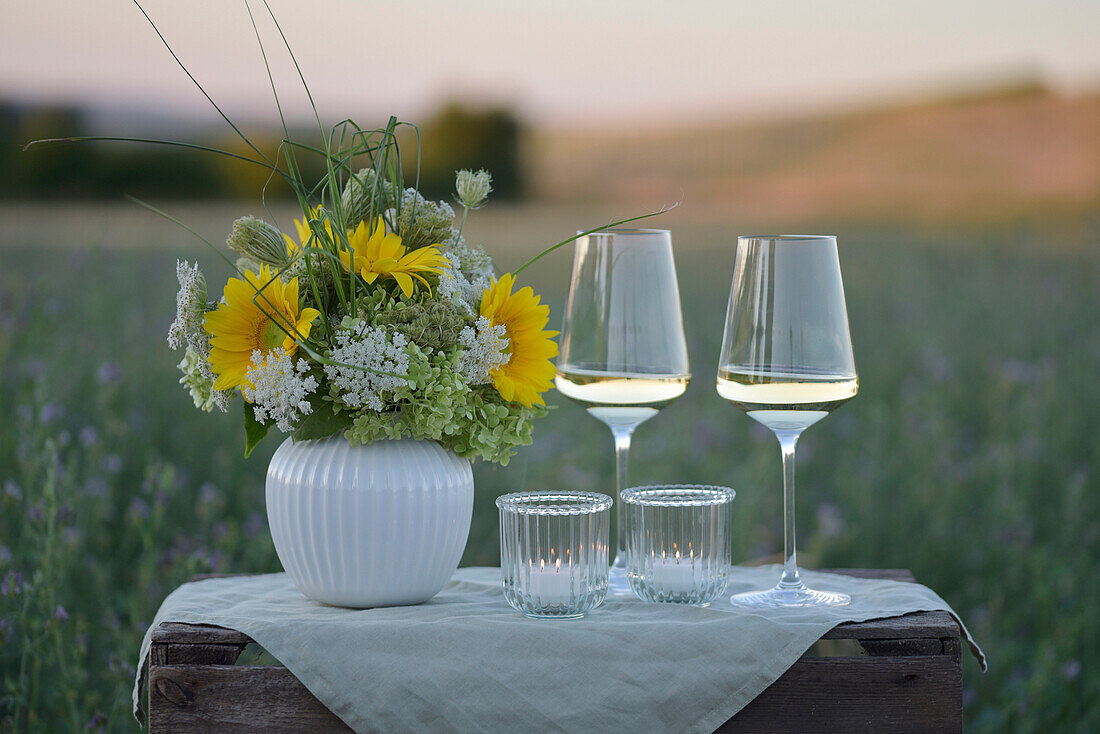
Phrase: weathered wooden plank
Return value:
(919, 694)
(903, 647)
(158, 654)
(917, 624)
(235, 700)
(900, 695)
(203, 654)
(198, 634)
(953, 649)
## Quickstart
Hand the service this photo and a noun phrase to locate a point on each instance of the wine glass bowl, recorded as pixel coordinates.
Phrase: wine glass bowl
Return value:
(787, 361)
(623, 354)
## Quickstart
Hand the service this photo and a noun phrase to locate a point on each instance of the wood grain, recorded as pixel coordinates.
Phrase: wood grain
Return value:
(900, 695)
(917, 624)
(194, 634)
(203, 654)
(232, 699)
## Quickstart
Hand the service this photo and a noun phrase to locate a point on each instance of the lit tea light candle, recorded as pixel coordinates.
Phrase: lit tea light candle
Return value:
(674, 574)
(550, 583)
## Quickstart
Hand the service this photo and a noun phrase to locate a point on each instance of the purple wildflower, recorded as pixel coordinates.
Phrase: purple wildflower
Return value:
(11, 583)
(88, 436)
(208, 492)
(112, 464)
(140, 509)
(13, 490)
(50, 412)
(109, 373)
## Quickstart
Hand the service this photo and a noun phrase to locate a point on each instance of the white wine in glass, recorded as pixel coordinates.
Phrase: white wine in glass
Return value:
(786, 401)
(623, 353)
(623, 397)
(787, 362)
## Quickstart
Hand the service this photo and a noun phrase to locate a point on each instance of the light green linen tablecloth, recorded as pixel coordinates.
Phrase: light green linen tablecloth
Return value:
(466, 662)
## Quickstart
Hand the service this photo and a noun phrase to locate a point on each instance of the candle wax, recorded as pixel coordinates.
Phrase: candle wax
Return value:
(671, 577)
(550, 584)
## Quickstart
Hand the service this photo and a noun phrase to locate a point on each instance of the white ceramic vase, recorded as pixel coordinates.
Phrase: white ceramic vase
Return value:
(369, 526)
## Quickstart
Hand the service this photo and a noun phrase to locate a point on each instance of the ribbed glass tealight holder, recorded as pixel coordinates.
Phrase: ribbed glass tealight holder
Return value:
(553, 552)
(677, 542)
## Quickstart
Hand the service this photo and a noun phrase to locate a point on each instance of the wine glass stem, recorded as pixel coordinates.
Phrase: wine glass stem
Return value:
(787, 442)
(622, 434)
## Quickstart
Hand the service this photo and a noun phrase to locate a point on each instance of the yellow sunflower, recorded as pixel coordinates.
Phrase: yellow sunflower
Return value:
(529, 372)
(381, 254)
(242, 325)
(304, 232)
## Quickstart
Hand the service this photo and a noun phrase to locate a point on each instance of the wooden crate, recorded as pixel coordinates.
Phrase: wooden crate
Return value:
(901, 674)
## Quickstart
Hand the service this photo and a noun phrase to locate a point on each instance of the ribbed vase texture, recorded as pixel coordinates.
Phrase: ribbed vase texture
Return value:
(553, 552)
(367, 526)
(677, 542)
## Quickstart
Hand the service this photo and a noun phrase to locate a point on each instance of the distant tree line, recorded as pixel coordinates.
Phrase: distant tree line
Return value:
(456, 137)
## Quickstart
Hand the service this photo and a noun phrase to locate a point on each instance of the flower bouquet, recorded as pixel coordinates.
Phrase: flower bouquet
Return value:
(390, 350)
(374, 318)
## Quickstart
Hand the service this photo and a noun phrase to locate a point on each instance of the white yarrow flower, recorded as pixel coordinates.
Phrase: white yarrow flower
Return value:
(473, 187)
(369, 351)
(486, 350)
(278, 388)
(470, 274)
(453, 286)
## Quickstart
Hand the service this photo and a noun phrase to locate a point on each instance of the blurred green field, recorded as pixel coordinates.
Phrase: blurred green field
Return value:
(970, 455)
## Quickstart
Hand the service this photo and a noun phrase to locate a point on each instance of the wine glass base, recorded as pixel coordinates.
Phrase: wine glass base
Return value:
(798, 596)
(618, 585)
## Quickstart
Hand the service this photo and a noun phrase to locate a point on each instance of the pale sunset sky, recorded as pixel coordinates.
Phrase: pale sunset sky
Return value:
(564, 63)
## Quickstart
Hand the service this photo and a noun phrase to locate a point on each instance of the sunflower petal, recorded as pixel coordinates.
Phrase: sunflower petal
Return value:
(404, 282)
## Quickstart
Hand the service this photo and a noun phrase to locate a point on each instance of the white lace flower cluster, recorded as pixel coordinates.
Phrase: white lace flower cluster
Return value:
(187, 329)
(187, 332)
(370, 352)
(471, 272)
(486, 350)
(278, 388)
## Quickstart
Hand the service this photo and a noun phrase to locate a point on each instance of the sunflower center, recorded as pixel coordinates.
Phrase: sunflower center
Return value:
(271, 336)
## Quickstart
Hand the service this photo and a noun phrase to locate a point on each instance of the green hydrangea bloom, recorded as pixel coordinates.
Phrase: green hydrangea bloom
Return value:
(437, 405)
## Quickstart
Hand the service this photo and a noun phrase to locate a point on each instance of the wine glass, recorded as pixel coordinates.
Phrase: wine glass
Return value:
(787, 361)
(623, 353)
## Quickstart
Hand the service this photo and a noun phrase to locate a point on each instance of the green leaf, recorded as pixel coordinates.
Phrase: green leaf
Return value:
(254, 431)
(321, 423)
